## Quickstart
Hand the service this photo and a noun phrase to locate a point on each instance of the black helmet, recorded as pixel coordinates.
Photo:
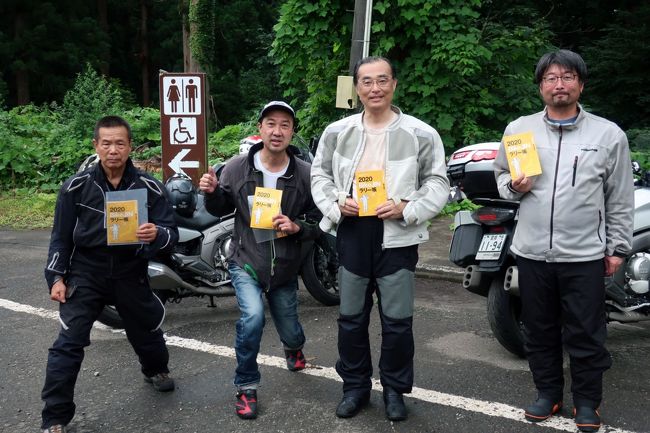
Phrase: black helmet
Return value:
(182, 194)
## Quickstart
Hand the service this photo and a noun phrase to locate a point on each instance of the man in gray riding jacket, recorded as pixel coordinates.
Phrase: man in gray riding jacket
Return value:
(378, 245)
(575, 228)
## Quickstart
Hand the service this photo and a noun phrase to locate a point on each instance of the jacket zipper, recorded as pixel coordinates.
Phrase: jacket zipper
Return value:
(600, 222)
(575, 168)
(557, 165)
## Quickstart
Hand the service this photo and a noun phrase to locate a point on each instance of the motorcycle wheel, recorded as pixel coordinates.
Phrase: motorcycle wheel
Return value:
(504, 315)
(110, 317)
(319, 271)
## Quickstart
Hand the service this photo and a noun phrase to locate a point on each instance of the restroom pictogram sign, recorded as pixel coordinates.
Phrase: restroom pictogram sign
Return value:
(183, 124)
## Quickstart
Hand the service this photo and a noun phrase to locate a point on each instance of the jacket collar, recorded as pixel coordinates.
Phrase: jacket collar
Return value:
(572, 125)
(129, 175)
(292, 151)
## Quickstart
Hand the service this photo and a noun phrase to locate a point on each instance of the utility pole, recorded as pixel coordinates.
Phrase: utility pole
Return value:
(360, 32)
(346, 96)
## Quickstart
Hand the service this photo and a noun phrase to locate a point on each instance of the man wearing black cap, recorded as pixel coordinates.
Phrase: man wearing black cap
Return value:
(265, 261)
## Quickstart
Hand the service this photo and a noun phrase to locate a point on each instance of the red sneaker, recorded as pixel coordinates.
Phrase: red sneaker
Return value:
(246, 406)
(295, 360)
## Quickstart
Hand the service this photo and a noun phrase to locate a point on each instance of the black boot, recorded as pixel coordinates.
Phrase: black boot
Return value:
(394, 403)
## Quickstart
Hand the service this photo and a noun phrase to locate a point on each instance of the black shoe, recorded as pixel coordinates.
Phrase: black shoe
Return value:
(587, 418)
(351, 405)
(162, 382)
(246, 406)
(57, 428)
(394, 404)
(542, 409)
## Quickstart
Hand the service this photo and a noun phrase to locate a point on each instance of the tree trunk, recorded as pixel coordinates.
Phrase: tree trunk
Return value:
(102, 18)
(144, 52)
(189, 63)
(21, 75)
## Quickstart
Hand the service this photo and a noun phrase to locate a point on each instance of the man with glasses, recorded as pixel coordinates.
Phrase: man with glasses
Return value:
(378, 177)
(575, 228)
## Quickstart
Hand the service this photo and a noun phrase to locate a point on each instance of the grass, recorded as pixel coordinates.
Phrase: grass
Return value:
(26, 210)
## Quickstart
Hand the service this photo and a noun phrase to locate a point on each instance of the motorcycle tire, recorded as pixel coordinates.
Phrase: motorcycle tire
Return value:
(504, 315)
(110, 317)
(319, 271)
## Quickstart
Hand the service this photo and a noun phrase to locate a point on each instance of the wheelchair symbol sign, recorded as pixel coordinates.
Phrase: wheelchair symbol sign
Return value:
(182, 130)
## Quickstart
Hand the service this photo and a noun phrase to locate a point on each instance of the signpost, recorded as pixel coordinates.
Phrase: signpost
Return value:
(183, 126)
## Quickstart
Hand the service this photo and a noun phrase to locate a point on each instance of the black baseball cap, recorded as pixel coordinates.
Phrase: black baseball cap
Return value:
(277, 105)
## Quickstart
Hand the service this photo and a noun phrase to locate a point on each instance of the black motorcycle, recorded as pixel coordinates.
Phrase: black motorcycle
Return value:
(481, 245)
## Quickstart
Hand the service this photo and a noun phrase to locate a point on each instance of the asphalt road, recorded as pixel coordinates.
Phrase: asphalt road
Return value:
(464, 382)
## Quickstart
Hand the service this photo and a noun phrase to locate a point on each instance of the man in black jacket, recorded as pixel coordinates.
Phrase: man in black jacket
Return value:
(265, 261)
(84, 273)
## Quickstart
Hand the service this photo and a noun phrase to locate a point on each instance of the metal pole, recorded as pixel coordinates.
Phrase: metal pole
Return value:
(358, 31)
(368, 25)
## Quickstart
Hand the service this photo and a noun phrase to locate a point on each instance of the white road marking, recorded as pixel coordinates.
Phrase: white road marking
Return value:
(483, 407)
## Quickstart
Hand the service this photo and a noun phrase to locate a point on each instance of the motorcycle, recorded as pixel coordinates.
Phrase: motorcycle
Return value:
(197, 267)
(481, 244)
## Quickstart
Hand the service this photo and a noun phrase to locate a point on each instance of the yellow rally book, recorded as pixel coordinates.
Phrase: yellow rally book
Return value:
(371, 191)
(522, 155)
(266, 205)
(125, 212)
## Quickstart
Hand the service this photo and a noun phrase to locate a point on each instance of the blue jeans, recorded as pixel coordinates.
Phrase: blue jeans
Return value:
(283, 305)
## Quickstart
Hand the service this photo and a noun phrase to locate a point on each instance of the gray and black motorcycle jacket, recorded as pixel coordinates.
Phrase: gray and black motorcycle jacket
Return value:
(78, 245)
(275, 262)
(581, 207)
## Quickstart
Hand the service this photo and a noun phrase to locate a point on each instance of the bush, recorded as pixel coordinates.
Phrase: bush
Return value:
(225, 143)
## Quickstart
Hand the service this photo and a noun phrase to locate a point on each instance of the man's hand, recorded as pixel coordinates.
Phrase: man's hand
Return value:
(522, 184)
(58, 291)
(209, 182)
(612, 263)
(350, 208)
(283, 224)
(390, 210)
(147, 233)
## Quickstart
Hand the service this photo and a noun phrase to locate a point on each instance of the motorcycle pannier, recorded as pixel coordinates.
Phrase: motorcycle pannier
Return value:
(464, 244)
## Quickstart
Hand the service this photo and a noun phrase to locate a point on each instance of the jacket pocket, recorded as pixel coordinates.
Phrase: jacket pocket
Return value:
(575, 170)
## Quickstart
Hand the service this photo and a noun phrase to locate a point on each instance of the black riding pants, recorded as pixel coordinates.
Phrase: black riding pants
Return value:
(142, 313)
(365, 268)
(563, 304)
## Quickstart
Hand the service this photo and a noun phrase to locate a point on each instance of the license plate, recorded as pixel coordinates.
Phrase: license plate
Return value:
(491, 246)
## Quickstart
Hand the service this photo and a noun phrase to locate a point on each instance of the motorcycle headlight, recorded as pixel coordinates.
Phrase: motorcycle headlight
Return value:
(638, 266)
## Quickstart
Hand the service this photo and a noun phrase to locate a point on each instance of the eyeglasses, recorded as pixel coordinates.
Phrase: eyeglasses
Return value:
(382, 82)
(566, 78)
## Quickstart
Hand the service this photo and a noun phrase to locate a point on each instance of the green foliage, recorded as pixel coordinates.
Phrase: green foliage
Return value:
(91, 97)
(309, 51)
(452, 208)
(640, 146)
(465, 73)
(225, 143)
(23, 132)
(145, 126)
(618, 75)
(242, 77)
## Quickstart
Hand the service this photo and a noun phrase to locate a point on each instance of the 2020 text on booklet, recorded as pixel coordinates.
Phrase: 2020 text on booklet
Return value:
(266, 205)
(125, 212)
(371, 191)
(522, 155)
